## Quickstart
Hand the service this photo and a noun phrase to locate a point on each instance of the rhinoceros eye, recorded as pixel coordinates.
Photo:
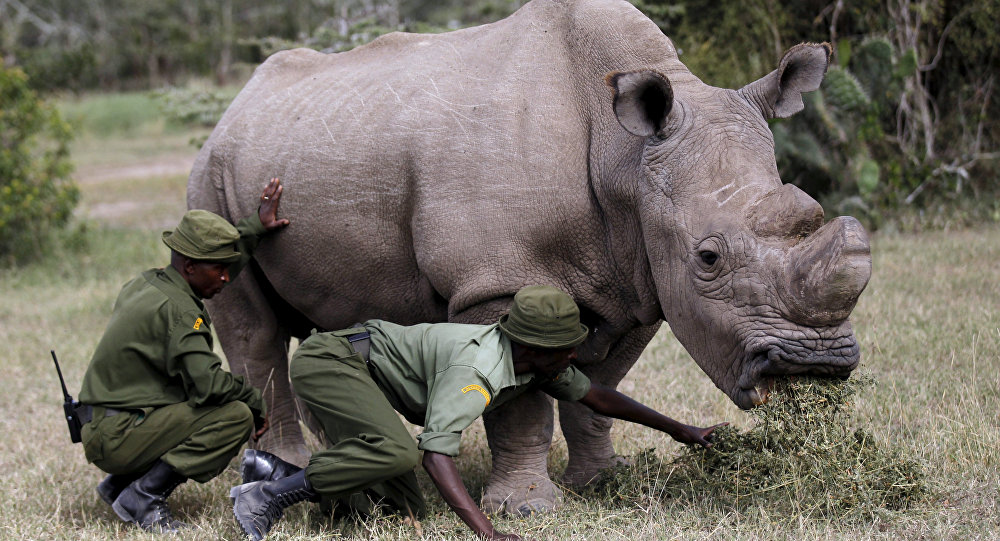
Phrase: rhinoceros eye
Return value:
(708, 257)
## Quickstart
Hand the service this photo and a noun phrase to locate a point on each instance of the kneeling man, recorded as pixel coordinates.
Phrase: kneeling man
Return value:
(160, 407)
(442, 376)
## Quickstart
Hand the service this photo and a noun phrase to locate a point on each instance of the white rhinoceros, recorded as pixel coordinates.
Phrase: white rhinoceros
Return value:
(429, 177)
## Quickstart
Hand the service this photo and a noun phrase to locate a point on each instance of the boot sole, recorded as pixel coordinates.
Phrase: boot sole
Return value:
(249, 529)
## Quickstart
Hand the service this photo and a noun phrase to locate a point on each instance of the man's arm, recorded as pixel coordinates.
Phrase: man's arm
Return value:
(254, 227)
(189, 356)
(443, 472)
(611, 403)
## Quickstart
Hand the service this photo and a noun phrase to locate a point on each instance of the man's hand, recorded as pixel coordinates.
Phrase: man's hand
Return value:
(268, 211)
(611, 403)
(702, 436)
(261, 427)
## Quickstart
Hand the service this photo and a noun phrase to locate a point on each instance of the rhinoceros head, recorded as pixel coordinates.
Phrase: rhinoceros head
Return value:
(751, 281)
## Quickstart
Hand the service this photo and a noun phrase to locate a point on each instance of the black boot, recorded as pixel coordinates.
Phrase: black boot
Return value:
(258, 505)
(144, 502)
(263, 466)
(113, 485)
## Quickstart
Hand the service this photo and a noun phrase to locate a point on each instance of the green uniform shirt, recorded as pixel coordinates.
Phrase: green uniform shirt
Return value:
(157, 348)
(444, 376)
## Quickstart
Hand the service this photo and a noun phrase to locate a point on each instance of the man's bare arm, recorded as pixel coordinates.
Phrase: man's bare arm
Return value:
(443, 472)
(609, 402)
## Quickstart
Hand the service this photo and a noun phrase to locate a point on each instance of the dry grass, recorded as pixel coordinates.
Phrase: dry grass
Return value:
(928, 325)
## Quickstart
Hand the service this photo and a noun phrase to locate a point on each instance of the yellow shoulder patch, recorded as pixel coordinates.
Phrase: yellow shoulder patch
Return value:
(474, 387)
(197, 324)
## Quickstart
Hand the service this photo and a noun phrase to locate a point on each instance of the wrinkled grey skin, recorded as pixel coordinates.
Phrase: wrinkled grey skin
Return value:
(429, 177)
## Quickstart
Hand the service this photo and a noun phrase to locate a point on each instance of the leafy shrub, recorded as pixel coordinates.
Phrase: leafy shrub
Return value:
(36, 193)
(192, 107)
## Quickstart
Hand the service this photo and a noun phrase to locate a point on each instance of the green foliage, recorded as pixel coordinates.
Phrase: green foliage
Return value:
(725, 43)
(192, 107)
(802, 458)
(849, 162)
(60, 68)
(36, 193)
(843, 90)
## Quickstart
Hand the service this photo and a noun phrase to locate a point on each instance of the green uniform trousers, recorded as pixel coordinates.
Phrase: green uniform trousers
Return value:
(197, 443)
(370, 456)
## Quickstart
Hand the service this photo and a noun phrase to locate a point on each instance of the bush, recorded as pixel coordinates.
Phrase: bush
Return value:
(36, 194)
(192, 107)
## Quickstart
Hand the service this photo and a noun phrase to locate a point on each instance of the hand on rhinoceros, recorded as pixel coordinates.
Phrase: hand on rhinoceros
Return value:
(268, 211)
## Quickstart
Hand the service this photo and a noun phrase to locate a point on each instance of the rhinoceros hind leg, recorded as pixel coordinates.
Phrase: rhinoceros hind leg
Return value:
(256, 345)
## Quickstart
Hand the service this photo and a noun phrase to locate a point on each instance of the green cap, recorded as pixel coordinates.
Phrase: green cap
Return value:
(544, 317)
(205, 236)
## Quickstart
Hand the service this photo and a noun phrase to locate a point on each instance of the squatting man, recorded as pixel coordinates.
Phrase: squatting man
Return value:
(158, 406)
(442, 376)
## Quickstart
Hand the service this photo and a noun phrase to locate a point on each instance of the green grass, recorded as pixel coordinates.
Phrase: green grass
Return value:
(121, 130)
(105, 115)
(929, 324)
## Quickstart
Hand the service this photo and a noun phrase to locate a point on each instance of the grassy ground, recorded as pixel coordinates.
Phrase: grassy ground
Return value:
(929, 325)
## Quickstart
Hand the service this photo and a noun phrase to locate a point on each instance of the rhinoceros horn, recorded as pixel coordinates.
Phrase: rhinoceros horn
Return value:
(827, 266)
(826, 272)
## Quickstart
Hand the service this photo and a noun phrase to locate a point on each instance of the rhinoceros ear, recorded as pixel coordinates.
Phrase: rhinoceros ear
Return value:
(642, 100)
(779, 93)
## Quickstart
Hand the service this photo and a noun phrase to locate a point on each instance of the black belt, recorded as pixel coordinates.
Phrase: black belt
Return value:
(361, 343)
(85, 412)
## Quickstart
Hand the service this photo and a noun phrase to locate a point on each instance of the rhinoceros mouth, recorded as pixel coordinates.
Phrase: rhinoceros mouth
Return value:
(764, 364)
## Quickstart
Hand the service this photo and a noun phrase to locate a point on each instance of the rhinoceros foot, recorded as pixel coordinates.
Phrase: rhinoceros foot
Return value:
(581, 473)
(294, 454)
(521, 494)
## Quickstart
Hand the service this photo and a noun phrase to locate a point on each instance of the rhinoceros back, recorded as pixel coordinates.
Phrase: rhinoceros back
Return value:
(427, 173)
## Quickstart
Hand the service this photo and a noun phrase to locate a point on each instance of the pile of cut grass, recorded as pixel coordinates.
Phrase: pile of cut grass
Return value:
(801, 458)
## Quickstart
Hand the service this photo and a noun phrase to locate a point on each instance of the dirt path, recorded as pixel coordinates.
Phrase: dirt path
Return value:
(148, 194)
(159, 166)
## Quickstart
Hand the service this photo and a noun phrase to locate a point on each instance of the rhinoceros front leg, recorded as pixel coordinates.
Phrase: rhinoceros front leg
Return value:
(256, 346)
(519, 435)
(588, 435)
